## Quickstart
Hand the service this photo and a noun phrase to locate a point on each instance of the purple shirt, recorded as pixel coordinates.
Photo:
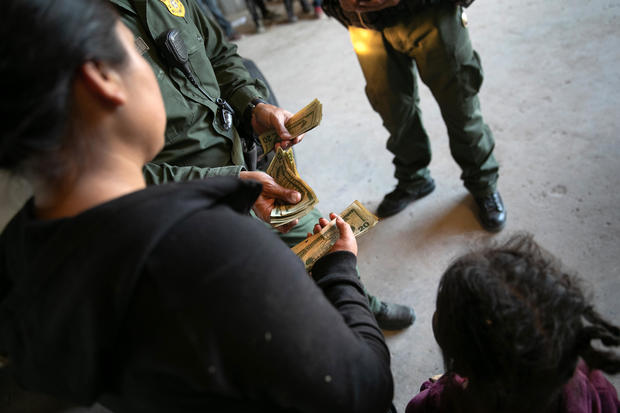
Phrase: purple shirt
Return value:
(588, 391)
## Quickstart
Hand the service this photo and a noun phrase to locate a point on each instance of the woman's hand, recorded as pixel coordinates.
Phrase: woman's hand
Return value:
(346, 242)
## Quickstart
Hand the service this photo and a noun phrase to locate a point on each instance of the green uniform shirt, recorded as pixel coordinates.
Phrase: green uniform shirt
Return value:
(196, 144)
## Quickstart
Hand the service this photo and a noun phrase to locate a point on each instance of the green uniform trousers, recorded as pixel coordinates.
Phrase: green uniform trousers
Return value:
(436, 43)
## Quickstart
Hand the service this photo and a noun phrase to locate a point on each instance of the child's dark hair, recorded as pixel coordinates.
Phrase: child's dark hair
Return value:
(513, 322)
(44, 42)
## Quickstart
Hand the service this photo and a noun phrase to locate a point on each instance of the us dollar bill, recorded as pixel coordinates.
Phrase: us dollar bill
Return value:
(306, 119)
(313, 248)
(284, 171)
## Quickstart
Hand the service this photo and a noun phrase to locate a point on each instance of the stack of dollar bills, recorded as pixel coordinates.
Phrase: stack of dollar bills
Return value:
(311, 249)
(306, 119)
(284, 171)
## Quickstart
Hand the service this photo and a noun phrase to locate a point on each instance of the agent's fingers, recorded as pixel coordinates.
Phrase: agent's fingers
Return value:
(277, 121)
(279, 192)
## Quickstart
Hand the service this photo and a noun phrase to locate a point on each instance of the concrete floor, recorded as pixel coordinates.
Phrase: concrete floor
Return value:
(552, 97)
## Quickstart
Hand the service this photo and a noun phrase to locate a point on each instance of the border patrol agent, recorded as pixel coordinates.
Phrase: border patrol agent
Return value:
(430, 36)
(198, 143)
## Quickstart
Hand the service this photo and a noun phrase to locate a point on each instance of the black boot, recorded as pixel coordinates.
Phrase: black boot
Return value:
(394, 316)
(491, 212)
(398, 199)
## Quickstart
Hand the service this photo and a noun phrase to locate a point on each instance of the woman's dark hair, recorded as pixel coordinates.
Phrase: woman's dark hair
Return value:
(511, 320)
(43, 44)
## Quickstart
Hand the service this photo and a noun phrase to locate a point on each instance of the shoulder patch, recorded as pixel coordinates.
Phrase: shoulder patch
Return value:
(175, 7)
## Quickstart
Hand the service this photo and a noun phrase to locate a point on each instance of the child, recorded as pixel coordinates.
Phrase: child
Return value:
(516, 335)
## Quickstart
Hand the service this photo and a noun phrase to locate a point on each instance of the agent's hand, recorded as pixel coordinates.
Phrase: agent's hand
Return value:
(367, 5)
(266, 117)
(267, 199)
(347, 241)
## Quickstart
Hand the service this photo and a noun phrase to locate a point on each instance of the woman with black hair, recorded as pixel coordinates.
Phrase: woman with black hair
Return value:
(99, 298)
(516, 335)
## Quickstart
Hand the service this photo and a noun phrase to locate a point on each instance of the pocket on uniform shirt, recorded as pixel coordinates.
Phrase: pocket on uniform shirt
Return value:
(198, 58)
(179, 115)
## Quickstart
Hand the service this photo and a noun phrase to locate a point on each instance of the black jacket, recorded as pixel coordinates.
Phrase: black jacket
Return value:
(170, 300)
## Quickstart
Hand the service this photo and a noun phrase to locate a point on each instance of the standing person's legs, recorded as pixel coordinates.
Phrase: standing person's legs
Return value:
(290, 9)
(251, 6)
(267, 14)
(318, 11)
(262, 7)
(450, 67)
(290, 12)
(392, 90)
(305, 6)
(438, 41)
(258, 22)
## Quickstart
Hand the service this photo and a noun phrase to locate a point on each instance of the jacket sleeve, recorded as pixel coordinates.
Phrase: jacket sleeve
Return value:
(237, 86)
(273, 335)
(156, 174)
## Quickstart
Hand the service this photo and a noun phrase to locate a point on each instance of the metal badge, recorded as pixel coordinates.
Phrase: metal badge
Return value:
(464, 20)
(227, 118)
(226, 113)
(175, 7)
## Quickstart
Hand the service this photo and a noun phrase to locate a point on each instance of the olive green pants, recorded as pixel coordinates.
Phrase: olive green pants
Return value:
(299, 232)
(436, 43)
